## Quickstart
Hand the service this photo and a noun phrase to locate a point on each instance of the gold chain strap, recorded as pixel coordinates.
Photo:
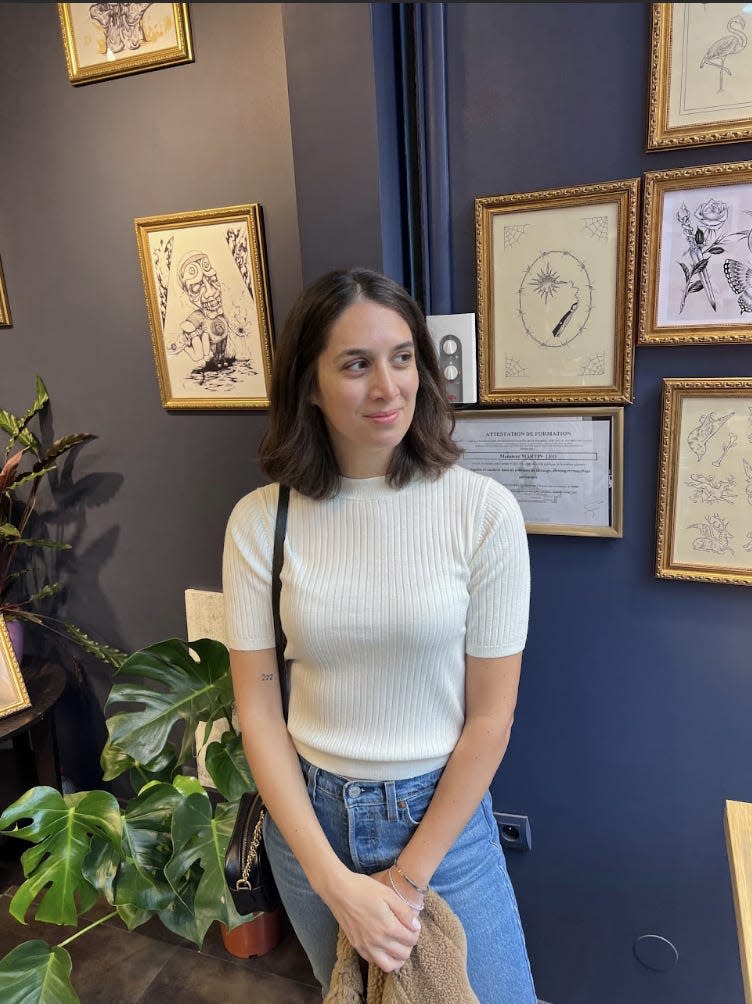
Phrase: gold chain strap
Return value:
(250, 860)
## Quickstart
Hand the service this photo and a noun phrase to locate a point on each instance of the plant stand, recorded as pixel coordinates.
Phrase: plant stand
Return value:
(256, 937)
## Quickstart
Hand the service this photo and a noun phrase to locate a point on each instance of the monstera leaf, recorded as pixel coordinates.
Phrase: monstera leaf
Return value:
(199, 845)
(138, 887)
(194, 686)
(61, 829)
(34, 973)
(115, 762)
(228, 767)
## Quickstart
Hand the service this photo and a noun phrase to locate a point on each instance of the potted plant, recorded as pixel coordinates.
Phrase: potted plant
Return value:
(26, 462)
(158, 853)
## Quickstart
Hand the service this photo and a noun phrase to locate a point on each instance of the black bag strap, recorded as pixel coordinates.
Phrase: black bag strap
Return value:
(279, 556)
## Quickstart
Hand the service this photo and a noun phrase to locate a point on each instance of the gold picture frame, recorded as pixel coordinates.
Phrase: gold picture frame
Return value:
(563, 465)
(696, 263)
(700, 89)
(6, 321)
(556, 305)
(207, 296)
(106, 40)
(704, 511)
(13, 694)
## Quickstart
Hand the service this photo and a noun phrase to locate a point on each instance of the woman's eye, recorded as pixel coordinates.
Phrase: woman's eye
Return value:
(356, 365)
(404, 358)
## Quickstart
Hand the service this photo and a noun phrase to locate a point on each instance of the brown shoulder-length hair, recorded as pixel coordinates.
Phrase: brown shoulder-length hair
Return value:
(296, 449)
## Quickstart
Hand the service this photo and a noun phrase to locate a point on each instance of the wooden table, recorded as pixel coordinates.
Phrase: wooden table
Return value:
(738, 823)
(32, 730)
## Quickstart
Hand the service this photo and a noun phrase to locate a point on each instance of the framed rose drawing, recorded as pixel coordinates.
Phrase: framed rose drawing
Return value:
(696, 282)
(207, 297)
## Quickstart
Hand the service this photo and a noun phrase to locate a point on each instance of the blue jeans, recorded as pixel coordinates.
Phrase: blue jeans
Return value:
(368, 823)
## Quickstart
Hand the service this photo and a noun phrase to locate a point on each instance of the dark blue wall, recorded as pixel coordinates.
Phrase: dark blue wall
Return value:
(633, 723)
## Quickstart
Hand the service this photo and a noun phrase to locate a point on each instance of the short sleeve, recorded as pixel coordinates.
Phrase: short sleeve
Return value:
(247, 572)
(499, 583)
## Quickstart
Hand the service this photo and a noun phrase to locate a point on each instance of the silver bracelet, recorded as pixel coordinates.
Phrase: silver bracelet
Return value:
(404, 900)
(422, 889)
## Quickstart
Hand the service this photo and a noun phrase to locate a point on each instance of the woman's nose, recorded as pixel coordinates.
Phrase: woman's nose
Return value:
(382, 382)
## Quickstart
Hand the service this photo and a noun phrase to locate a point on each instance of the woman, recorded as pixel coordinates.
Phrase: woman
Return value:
(405, 592)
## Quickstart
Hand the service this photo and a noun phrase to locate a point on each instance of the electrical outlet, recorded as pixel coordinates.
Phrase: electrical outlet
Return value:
(514, 831)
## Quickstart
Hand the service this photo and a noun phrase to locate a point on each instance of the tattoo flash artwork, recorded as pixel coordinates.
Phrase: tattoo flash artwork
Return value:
(706, 489)
(206, 318)
(555, 298)
(714, 535)
(594, 366)
(714, 485)
(707, 254)
(706, 428)
(724, 48)
(513, 367)
(122, 26)
(728, 445)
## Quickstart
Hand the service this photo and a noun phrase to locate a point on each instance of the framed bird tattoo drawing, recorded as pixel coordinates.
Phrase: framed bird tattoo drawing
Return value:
(704, 517)
(696, 282)
(700, 75)
(556, 303)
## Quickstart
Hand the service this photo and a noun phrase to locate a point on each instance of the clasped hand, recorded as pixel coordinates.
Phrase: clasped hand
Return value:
(378, 923)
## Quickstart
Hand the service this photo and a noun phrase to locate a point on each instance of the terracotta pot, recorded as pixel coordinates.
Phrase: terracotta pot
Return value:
(16, 634)
(255, 937)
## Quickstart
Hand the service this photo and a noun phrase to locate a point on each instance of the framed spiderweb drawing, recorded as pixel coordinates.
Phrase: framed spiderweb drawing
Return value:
(696, 283)
(704, 519)
(556, 273)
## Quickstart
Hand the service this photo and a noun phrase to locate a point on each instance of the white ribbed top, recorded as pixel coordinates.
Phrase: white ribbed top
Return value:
(383, 593)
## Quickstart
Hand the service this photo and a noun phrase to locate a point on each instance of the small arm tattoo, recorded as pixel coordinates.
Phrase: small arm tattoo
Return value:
(267, 676)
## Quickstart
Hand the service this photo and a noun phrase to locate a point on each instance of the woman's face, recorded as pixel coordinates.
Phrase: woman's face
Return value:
(367, 381)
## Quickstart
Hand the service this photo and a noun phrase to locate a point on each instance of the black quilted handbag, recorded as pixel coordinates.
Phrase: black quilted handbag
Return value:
(247, 869)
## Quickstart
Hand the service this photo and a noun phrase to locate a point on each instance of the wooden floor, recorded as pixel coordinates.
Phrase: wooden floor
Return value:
(150, 965)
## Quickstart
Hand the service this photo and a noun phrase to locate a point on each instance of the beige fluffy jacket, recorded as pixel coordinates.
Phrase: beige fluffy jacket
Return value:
(435, 973)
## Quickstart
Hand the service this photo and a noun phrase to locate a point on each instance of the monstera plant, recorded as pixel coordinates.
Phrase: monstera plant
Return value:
(159, 853)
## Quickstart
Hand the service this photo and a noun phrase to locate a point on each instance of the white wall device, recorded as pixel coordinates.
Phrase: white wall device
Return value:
(454, 338)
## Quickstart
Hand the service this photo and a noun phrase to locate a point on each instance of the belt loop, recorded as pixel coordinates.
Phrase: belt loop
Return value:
(391, 801)
(312, 775)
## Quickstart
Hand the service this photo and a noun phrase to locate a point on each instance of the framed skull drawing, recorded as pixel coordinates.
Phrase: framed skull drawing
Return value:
(207, 297)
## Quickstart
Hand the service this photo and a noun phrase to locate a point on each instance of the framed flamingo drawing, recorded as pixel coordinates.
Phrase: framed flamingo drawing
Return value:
(700, 75)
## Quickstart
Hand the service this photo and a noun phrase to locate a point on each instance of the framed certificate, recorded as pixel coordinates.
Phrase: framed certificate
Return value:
(563, 465)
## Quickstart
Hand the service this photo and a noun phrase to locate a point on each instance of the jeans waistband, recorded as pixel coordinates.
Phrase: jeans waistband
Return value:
(376, 792)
